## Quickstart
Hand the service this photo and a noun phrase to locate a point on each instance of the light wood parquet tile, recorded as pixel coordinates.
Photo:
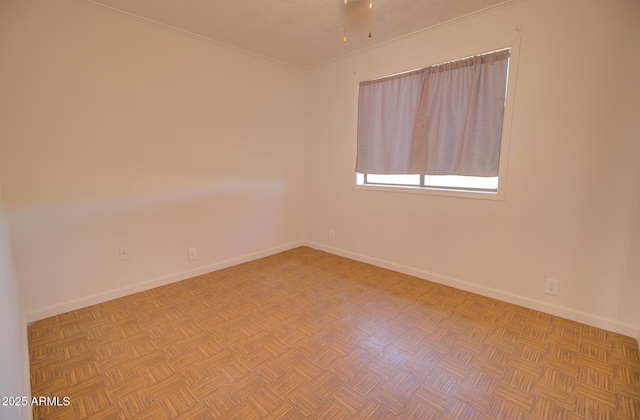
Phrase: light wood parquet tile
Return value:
(306, 334)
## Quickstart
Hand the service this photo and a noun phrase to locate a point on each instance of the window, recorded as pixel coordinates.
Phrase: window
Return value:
(438, 128)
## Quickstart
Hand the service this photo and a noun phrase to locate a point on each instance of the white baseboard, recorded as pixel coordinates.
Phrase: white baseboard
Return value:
(26, 413)
(572, 314)
(564, 312)
(83, 302)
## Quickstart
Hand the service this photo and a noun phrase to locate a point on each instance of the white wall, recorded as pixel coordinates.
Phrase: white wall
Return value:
(630, 303)
(573, 183)
(118, 133)
(14, 369)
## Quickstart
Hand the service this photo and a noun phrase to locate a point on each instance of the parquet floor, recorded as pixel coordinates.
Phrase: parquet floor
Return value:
(306, 334)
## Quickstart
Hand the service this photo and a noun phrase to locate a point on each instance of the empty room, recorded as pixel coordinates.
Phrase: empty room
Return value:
(321, 209)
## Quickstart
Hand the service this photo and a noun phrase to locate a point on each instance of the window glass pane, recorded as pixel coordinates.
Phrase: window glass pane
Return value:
(462, 182)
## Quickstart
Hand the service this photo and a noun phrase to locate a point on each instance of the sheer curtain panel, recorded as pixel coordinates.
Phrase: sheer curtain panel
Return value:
(440, 120)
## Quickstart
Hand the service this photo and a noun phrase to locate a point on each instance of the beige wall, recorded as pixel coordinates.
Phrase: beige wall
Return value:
(573, 183)
(118, 133)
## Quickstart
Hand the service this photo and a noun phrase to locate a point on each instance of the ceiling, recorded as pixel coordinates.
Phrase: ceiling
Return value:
(301, 33)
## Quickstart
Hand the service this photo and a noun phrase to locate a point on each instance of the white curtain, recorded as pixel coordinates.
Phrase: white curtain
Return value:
(440, 120)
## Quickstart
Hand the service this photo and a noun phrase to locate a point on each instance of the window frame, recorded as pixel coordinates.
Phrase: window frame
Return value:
(499, 194)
